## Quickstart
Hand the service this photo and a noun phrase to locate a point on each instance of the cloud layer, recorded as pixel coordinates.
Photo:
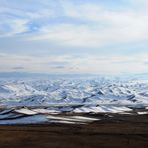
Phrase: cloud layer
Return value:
(67, 36)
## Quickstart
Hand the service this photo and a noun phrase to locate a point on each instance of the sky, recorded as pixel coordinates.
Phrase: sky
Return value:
(74, 36)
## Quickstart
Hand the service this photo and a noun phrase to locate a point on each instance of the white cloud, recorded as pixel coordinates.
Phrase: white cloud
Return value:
(103, 27)
(85, 25)
(11, 27)
(86, 64)
(16, 18)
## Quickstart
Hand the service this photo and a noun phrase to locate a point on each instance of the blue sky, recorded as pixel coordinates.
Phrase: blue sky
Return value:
(74, 36)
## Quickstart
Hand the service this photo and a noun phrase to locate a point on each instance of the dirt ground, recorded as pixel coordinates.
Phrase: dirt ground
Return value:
(122, 131)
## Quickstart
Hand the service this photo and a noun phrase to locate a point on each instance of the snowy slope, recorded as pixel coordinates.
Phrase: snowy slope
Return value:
(71, 91)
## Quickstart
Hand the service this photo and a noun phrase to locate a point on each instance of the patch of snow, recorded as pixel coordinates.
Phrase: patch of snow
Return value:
(86, 119)
(26, 120)
(26, 111)
(142, 113)
(65, 122)
(45, 111)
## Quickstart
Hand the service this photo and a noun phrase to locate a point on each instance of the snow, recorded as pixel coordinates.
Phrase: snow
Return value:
(9, 116)
(73, 119)
(81, 118)
(45, 111)
(26, 111)
(102, 109)
(73, 95)
(26, 120)
(61, 118)
(5, 111)
(65, 122)
(142, 113)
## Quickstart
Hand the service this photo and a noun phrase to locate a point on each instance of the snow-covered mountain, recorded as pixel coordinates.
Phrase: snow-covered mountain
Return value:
(24, 101)
(73, 91)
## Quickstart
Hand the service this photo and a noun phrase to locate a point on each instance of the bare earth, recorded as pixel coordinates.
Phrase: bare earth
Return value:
(120, 131)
